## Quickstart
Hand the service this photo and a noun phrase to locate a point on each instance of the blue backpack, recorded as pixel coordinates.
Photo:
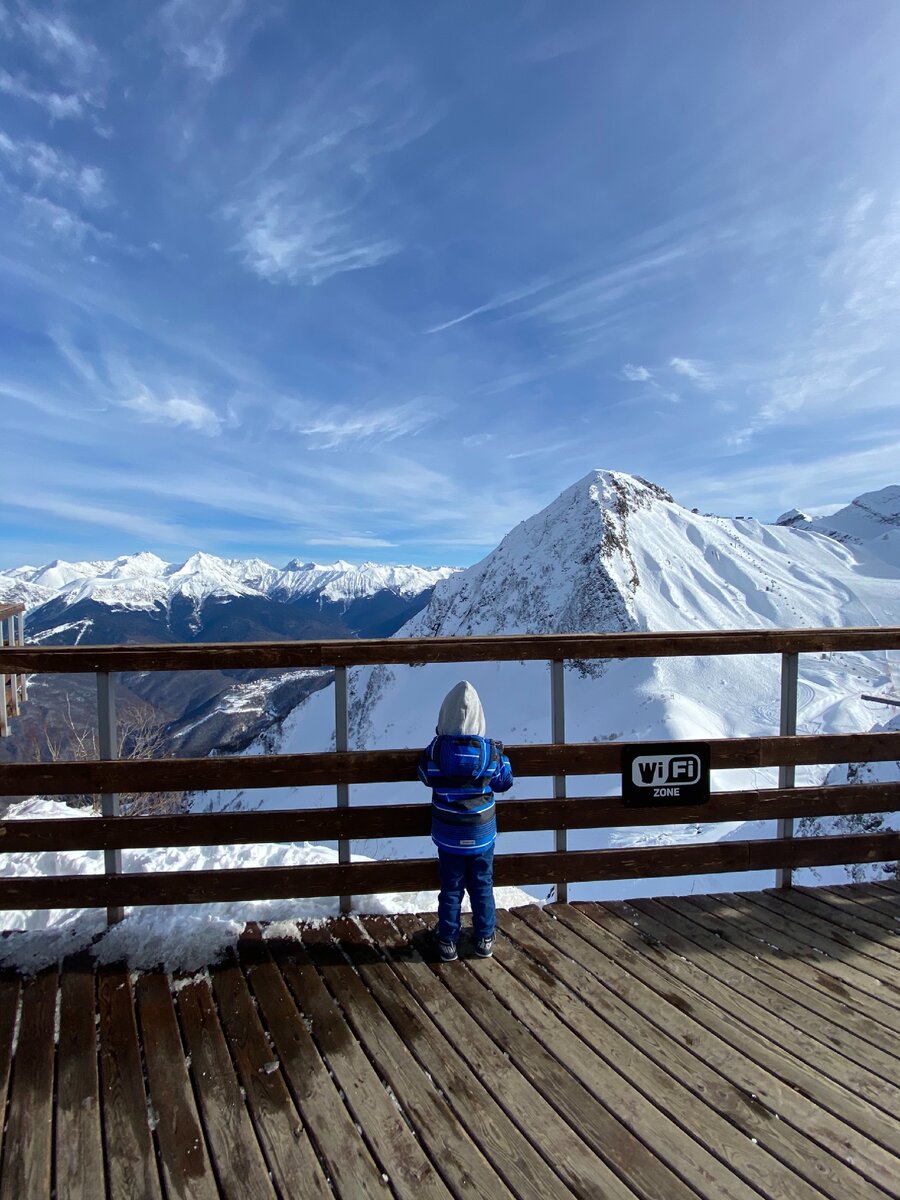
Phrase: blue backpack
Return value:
(462, 760)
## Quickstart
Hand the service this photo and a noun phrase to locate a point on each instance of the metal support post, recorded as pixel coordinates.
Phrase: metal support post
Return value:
(23, 679)
(341, 744)
(5, 705)
(790, 673)
(558, 734)
(15, 680)
(109, 750)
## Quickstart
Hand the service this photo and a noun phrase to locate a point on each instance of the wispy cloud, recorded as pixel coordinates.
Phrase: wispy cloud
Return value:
(153, 395)
(697, 371)
(101, 514)
(57, 40)
(504, 300)
(585, 303)
(62, 222)
(772, 486)
(636, 374)
(839, 360)
(200, 33)
(58, 104)
(174, 410)
(290, 238)
(45, 168)
(47, 401)
(78, 71)
(305, 209)
(581, 299)
(556, 448)
(341, 427)
(359, 541)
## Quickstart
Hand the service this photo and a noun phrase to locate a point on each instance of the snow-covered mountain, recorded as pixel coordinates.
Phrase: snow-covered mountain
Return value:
(615, 552)
(144, 582)
(870, 522)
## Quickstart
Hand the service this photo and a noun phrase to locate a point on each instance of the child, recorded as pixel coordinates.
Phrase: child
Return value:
(464, 769)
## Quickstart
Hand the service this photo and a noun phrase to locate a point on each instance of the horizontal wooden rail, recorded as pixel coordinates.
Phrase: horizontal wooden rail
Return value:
(499, 648)
(205, 887)
(414, 820)
(397, 766)
(11, 610)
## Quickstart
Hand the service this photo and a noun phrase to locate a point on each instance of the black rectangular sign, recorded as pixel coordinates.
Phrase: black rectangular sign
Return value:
(665, 773)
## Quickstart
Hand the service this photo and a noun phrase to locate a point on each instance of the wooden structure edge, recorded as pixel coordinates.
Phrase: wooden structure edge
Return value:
(97, 777)
(398, 651)
(368, 878)
(414, 820)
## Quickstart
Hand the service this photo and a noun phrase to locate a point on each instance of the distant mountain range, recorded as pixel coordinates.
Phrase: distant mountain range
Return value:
(112, 600)
(141, 598)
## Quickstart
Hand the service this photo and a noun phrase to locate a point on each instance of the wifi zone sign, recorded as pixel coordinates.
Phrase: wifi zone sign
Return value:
(658, 773)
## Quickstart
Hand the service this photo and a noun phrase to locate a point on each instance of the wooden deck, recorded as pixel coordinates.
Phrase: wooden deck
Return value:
(728, 1047)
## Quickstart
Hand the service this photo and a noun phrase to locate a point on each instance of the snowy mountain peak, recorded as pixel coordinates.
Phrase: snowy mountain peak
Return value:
(568, 568)
(198, 563)
(794, 517)
(619, 489)
(58, 573)
(867, 516)
(615, 552)
(129, 566)
(872, 520)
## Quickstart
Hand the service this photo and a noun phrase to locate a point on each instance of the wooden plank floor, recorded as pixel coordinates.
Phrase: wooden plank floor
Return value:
(725, 1047)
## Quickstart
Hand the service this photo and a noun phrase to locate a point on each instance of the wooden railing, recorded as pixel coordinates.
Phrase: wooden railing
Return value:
(559, 760)
(13, 687)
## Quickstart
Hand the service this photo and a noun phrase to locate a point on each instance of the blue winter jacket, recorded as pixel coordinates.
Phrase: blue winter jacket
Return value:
(464, 771)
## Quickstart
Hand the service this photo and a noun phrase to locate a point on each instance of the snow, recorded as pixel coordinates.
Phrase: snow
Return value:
(253, 697)
(82, 626)
(180, 937)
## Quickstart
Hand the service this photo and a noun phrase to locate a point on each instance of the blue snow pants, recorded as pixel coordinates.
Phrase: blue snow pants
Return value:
(472, 873)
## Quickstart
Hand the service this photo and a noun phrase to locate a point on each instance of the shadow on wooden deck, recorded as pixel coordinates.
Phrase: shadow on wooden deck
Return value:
(724, 1047)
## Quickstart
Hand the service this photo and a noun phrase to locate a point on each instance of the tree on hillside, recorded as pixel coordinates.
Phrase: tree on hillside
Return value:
(141, 735)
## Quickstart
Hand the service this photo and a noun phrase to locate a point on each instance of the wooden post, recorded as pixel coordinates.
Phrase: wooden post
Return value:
(341, 744)
(790, 673)
(558, 736)
(109, 749)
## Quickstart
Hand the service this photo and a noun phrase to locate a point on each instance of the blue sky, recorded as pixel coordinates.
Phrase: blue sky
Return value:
(376, 280)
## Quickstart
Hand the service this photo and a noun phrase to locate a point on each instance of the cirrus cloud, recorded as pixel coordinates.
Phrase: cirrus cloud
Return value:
(636, 374)
(175, 410)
